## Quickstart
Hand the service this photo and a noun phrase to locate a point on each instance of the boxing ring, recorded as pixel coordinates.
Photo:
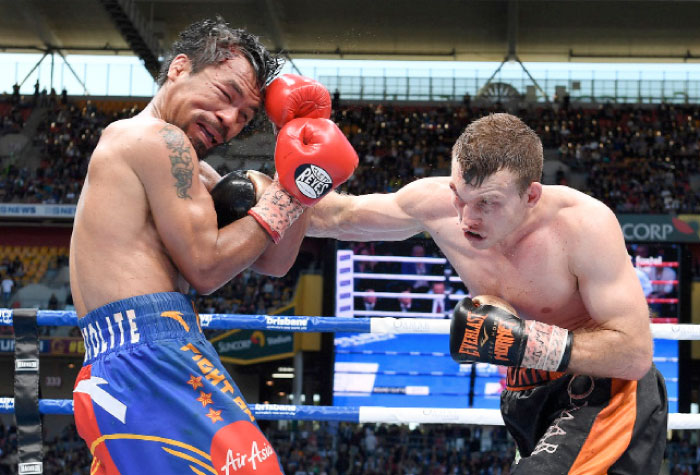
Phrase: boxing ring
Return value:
(348, 319)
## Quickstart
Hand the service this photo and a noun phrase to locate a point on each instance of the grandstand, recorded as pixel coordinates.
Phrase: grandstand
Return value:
(635, 151)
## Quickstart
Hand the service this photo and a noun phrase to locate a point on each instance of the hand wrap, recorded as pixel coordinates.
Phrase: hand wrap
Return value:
(492, 333)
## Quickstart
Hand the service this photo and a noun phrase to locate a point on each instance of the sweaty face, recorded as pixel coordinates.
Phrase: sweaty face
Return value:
(489, 213)
(213, 105)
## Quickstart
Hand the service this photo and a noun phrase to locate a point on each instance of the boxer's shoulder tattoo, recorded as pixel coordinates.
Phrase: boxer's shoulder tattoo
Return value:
(181, 163)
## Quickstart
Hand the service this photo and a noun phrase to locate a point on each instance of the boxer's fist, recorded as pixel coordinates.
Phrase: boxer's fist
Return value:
(291, 96)
(236, 193)
(313, 157)
(487, 329)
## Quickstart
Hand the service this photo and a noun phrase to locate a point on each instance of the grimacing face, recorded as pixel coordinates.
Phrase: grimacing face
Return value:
(489, 213)
(212, 105)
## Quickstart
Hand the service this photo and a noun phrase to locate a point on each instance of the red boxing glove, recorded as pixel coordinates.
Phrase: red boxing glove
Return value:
(313, 157)
(291, 96)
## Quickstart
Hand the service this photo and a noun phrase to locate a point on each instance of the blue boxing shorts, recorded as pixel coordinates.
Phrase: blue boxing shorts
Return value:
(153, 397)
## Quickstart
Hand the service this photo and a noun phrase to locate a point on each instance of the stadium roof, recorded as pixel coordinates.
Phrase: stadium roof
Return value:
(534, 30)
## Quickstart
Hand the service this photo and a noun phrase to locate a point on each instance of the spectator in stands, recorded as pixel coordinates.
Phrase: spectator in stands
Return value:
(369, 301)
(7, 285)
(417, 268)
(53, 302)
(439, 306)
(17, 269)
(405, 304)
(15, 99)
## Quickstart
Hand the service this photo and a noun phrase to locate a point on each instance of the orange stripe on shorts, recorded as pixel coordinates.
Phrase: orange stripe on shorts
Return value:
(611, 432)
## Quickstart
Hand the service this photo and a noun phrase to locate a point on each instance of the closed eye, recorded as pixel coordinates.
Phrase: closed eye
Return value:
(225, 94)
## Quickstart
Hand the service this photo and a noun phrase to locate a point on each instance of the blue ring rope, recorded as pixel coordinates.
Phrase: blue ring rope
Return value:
(224, 321)
(261, 411)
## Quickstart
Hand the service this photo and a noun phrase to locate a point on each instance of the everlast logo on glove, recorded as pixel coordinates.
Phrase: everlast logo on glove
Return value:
(504, 341)
(312, 181)
(492, 333)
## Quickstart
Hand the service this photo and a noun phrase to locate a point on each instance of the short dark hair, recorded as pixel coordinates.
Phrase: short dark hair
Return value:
(211, 41)
(495, 142)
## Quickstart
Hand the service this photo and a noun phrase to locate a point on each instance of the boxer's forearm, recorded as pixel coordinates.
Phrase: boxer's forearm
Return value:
(362, 218)
(611, 353)
(279, 258)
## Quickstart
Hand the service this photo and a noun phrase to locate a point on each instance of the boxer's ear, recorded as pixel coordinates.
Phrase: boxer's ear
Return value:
(179, 66)
(534, 193)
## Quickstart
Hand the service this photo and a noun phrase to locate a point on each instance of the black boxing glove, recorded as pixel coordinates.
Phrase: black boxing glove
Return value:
(235, 194)
(492, 333)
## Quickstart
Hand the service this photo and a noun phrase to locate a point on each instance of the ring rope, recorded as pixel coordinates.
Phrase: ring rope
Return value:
(442, 260)
(359, 414)
(412, 295)
(439, 326)
(425, 277)
(423, 260)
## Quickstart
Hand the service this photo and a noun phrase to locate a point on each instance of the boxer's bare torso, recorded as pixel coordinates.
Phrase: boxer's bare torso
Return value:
(533, 274)
(116, 251)
(539, 259)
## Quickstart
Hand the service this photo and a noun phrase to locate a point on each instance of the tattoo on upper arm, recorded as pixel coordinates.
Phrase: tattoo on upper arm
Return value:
(181, 163)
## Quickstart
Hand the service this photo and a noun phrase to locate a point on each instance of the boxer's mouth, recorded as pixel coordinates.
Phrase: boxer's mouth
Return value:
(211, 136)
(472, 235)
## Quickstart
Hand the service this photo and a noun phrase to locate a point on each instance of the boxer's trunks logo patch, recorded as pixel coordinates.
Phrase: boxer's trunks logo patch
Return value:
(313, 181)
(241, 449)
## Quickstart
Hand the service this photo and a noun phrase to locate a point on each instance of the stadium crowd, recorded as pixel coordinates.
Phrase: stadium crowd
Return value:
(656, 145)
(331, 448)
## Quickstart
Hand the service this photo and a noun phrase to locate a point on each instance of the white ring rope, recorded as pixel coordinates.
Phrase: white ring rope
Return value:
(388, 314)
(424, 260)
(429, 278)
(410, 294)
(491, 417)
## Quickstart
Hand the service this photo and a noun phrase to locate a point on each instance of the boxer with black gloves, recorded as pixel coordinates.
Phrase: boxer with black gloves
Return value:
(582, 394)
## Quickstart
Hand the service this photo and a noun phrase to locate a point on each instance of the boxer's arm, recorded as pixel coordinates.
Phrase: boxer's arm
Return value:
(391, 216)
(279, 258)
(208, 175)
(621, 346)
(183, 210)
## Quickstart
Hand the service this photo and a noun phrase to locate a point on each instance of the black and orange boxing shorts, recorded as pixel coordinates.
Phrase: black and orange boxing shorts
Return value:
(577, 424)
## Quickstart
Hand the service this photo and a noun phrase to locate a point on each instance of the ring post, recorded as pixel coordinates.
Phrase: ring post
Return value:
(28, 420)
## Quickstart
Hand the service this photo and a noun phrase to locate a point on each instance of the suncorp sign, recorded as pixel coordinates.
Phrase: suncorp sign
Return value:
(646, 231)
(660, 227)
